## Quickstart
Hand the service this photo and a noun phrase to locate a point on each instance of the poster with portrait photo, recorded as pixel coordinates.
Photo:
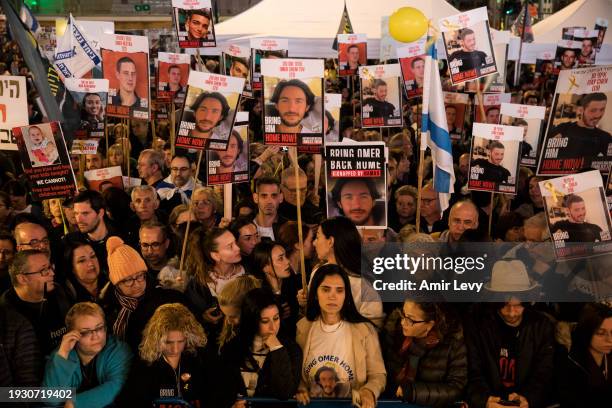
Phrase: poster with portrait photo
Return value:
(232, 165)
(210, 108)
(495, 82)
(494, 158)
(352, 53)
(601, 25)
(91, 96)
(172, 76)
(567, 33)
(356, 183)
(265, 48)
(577, 215)
(331, 121)
(566, 55)
(588, 41)
(125, 64)
(293, 103)
(492, 107)
(456, 108)
(193, 21)
(546, 72)
(468, 45)
(530, 119)
(13, 109)
(381, 98)
(45, 160)
(412, 63)
(579, 131)
(236, 62)
(101, 179)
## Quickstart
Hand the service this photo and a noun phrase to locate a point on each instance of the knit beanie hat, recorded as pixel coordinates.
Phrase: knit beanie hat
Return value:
(123, 260)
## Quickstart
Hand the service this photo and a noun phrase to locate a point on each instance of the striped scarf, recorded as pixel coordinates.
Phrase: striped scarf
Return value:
(128, 305)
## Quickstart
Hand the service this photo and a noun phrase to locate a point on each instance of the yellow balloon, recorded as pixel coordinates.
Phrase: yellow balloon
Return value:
(407, 24)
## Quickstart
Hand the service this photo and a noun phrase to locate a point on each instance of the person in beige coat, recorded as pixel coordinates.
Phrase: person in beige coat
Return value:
(342, 356)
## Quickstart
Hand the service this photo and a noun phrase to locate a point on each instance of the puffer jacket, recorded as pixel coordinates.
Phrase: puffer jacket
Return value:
(442, 371)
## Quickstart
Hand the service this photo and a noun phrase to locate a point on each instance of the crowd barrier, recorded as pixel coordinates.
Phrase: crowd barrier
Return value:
(323, 403)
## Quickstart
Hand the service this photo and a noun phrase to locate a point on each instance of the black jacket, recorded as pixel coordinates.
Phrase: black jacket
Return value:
(149, 382)
(534, 359)
(20, 359)
(151, 300)
(581, 384)
(442, 371)
(278, 378)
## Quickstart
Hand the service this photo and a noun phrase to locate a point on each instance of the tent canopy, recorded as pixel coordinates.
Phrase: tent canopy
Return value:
(311, 26)
(581, 13)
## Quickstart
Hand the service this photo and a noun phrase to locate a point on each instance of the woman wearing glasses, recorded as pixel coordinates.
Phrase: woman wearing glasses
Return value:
(342, 357)
(425, 355)
(129, 300)
(83, 279)
(95, 364)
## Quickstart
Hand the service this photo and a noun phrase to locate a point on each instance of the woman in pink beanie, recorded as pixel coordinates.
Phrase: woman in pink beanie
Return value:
(130, 299)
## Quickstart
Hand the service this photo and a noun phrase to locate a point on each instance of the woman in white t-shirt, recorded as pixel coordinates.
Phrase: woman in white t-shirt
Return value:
(342, 357)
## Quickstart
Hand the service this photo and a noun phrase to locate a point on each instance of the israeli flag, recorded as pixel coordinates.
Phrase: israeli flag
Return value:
(435, 133)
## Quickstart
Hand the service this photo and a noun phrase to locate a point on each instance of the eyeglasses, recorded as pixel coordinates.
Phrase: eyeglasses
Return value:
(202, 203)
(428, 201)
(294, 190)
(409, 320)
(179, 169)
(129, 282)
(37, 242)
(43, 272)
(98, 330)
(151, 245)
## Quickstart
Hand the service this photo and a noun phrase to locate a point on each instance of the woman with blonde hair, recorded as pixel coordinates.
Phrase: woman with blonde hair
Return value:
(116, 157)
(173, 365)
(230, 302)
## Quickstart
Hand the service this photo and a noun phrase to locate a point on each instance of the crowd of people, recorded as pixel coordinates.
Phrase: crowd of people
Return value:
(100, 294)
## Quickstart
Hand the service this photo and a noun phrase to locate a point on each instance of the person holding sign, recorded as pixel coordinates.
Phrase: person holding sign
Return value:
(467, 58)
(127, 76)
(197, 24)
(293, 100)
(575, 226)
(490, 169)
(211, 108)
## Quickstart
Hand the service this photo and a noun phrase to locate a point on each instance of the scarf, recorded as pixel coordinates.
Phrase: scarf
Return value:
(411, 351)
(128, 305)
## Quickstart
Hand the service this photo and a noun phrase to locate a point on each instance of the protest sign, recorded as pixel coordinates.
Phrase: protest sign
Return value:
(352, 53)
(13, 109)
(268, 48)
(172, 75)
(530, 119)
(381, 99)
(194, 23)
(232, 165)
(91, 96)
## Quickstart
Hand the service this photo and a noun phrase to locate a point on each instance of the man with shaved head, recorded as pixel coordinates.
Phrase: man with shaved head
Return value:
(463, 216)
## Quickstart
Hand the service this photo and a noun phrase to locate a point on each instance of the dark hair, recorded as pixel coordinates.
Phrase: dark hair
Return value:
(254, 302)
(5, 199)
(117, 203)
(95, 199)
(591, 318)
(415, 60)
(323, 369)
(8, 237)
(464, 32)
(266, 180)
(182, 156)
(490, 109)
(14, 188)
(123, 60)
(240, 141)
(451, 106)
(505, 223)
(495, 144)
(347, 242)
(331, 122)
(246, 202)
(173, 66)
(433, 311)
(348, 311)
(352, 46)
(225, 108)
(594, 97)
(379, 82)
(370, 184)
(70, 246)
(288, 235)
(262, 257)
(239, 60)
(209, 245)
(198, 12)
(310, 96)
(238, 224)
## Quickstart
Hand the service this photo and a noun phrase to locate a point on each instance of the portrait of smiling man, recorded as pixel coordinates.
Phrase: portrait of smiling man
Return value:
(197, 24)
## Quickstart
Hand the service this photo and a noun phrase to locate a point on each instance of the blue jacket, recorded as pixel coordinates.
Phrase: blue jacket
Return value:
(112, 368)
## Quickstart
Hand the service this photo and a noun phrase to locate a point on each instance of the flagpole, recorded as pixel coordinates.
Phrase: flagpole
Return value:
(517, 69)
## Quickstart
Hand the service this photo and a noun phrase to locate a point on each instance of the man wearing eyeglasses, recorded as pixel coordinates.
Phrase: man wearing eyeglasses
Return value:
(431, 216)
(88, 359)
(34, 294)
(182, 180)
(31, 236)
(154, 245)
